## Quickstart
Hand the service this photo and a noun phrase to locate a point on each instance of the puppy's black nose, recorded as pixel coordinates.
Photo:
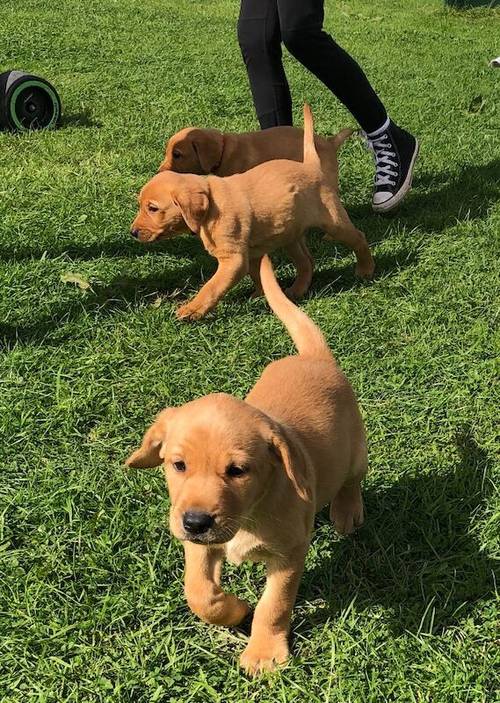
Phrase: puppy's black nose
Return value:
(134, 233)
(196, 523)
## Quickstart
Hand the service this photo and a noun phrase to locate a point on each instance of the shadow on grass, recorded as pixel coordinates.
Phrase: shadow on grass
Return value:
(469, 196)
(124, 292)
(328, 282)
(467, 4)
(417, 555)
(446, 199)
(78, 119)
(124, 246)
(121, 294)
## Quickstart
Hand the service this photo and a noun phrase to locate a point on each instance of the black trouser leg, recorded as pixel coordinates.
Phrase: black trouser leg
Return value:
(299, 24)
(260, 41)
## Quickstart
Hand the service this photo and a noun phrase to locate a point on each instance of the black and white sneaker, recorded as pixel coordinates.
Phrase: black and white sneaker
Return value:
(395, 151)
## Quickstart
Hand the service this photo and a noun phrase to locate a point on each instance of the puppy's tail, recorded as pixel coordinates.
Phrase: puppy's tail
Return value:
(306, 336)
(338, 139)
(311, 157)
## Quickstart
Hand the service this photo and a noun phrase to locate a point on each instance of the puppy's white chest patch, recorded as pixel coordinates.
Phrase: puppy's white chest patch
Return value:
(244, 546)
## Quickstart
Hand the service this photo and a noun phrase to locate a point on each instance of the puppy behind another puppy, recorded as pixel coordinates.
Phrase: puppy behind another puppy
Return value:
(242, 217)
(209, 151)
(246, 477)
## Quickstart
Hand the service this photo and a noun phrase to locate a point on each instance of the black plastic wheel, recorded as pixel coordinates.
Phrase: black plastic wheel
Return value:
(27, 102)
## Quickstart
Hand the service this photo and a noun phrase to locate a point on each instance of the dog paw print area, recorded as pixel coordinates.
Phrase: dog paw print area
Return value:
(27, 102)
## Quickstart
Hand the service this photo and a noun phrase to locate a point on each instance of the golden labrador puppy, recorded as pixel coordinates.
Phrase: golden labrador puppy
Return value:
(208, 151)
(242, 217)
(246, 477)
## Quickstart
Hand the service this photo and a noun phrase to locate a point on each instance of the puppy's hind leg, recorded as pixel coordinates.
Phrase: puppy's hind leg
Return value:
(339, 228)
(301, 257)
(346, 509)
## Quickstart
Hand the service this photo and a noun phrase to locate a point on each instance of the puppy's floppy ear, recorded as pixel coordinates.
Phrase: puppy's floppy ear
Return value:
(289, 450)
(193, 203)
(208, 145)
(150, 453)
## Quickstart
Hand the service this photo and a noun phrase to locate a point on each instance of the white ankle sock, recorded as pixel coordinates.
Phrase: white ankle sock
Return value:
(379, 131)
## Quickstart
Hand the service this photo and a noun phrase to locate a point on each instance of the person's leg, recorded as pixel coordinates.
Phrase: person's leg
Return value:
(260, 41)
(301, 23)
(395, 150)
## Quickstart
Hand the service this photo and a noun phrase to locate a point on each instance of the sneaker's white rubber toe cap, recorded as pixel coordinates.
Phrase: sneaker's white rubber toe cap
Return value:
(381, 197)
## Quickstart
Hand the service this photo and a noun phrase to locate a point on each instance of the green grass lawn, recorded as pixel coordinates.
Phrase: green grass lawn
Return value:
(91, 604)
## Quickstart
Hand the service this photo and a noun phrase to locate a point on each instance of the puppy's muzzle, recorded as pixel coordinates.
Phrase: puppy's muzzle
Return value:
(197, 523)
(135, 233)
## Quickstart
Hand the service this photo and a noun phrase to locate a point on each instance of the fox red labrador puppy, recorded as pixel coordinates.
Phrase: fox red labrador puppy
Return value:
(208, 151)
(246, 477)
(242, 217)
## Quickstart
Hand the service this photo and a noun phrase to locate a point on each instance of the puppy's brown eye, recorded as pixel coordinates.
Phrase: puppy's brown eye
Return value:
(153, 208)
(179, 466)
(176, 154)
(233, 470)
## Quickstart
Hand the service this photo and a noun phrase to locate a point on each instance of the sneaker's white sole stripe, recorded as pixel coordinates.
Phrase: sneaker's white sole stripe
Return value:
(393, 202)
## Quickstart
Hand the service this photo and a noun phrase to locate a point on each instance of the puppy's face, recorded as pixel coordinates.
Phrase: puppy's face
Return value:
(215, 470)
(191, 150)
(218, 455)
(170, 204)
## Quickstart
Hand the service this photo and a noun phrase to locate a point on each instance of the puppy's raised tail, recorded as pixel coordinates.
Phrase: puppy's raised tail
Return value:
(311, 157)
(306, 336)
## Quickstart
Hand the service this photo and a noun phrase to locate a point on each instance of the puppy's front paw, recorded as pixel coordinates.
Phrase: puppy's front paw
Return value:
(264, 654)
(190, 311)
